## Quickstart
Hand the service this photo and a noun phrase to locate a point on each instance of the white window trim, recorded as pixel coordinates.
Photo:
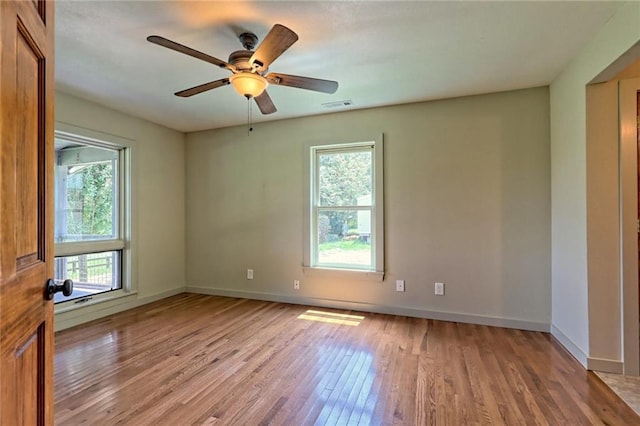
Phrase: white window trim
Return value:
(377, 212)
(126, 206)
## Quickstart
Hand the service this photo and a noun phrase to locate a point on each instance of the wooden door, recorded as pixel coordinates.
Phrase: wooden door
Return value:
(26, 215)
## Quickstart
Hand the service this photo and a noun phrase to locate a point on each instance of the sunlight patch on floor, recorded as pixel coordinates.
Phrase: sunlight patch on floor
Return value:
(331, 317)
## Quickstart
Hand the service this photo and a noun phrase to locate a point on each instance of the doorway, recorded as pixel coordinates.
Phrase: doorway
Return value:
(629, 101)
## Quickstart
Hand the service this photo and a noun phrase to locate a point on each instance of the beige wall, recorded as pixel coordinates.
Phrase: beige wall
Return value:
(577, 315)
(158, 217)
(467, 202)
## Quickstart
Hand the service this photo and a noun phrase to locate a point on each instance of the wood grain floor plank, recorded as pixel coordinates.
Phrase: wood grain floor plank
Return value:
(328, 352)
(208, 360)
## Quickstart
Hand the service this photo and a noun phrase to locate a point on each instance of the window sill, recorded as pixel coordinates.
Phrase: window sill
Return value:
(353, 274)
(73, 305)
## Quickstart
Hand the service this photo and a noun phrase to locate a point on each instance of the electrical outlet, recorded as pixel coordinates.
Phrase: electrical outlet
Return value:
(399, 285)
(249, 274)
(439, 290)
(296, 284)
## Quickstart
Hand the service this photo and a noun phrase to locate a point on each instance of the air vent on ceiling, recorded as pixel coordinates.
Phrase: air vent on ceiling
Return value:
(338, 104)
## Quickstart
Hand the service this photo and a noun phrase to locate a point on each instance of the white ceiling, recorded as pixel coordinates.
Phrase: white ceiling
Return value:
(381, 52)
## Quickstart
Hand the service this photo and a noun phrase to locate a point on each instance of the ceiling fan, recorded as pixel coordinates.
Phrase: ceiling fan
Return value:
(250, 68)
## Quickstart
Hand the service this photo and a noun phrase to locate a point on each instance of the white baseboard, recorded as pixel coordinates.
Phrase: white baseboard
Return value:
(605, 365)
(380, 309)
(83, 314)
(571, 347)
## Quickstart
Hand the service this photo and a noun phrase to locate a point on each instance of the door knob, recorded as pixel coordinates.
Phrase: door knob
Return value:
(52, 288)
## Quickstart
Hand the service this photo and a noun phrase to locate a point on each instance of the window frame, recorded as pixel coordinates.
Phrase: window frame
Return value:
(311, 196)
(122, 242)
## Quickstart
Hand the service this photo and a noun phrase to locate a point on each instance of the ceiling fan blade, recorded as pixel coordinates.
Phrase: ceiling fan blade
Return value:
(202, 88)
(161, 41)
(265, 103)
(279, 39)
(315, 84)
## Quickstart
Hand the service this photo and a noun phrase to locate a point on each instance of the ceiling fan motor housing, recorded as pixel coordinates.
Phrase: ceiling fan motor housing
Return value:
(240, 59)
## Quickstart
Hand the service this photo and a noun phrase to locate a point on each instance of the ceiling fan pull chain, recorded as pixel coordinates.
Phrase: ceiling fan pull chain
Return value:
(249, 116)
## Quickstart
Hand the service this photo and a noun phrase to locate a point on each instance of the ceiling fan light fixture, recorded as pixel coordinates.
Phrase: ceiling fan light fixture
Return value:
(249, 84)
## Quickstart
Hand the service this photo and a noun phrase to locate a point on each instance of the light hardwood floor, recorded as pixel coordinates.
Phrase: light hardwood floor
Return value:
(195, 359)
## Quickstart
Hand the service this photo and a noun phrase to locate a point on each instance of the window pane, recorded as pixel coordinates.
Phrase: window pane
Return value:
(86, 183)
(344, 237)
(91, 274)
(345, 178)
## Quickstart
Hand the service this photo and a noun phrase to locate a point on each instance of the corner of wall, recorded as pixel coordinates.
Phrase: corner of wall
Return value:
(569, 345)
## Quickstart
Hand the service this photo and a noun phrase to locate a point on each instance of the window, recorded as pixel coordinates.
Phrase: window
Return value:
(345, 207)
(90, 219)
